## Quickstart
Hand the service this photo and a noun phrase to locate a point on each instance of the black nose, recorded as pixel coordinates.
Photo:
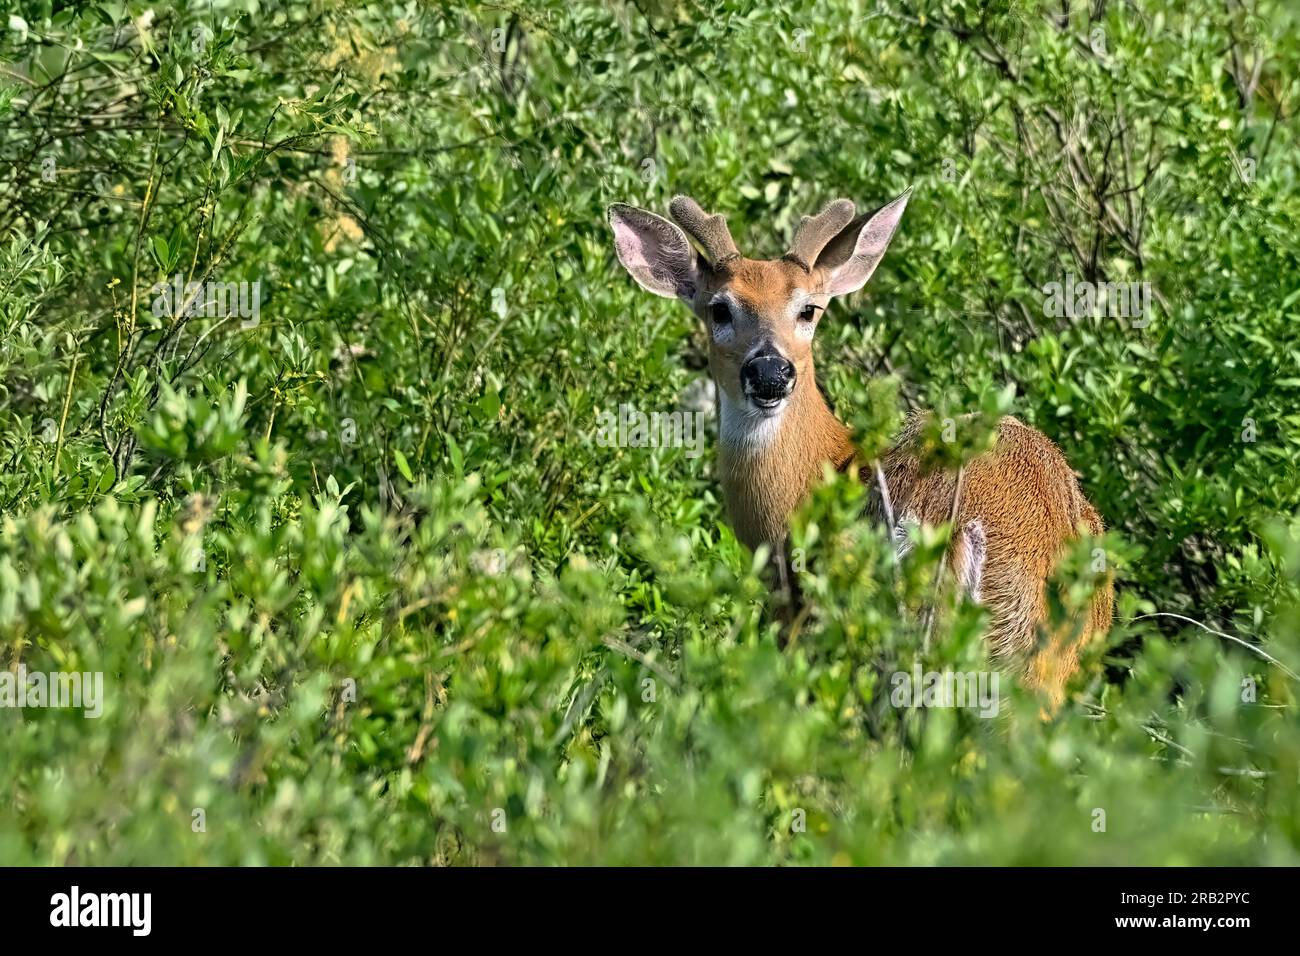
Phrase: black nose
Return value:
(767, 377)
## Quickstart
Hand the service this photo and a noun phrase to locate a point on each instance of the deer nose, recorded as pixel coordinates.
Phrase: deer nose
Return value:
(767, 377)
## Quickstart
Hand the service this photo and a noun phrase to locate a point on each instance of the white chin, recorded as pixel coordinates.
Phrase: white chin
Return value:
(765, 409)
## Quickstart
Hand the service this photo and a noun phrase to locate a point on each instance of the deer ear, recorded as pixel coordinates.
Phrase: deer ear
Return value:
(851, 257)
(654, 251)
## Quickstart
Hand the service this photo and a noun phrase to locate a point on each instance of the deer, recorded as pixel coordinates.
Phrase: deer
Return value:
(1013, 509)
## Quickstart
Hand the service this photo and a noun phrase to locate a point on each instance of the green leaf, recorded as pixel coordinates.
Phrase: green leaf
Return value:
(402, 465)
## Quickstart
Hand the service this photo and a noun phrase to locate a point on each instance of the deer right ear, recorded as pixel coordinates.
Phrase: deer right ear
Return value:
(851, 257)
(655, 252)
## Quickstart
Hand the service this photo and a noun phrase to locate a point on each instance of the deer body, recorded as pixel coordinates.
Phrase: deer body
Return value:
(1018, 505)
(1026, 501)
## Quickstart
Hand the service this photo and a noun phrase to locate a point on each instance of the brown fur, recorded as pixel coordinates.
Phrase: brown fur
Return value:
(1028, 500)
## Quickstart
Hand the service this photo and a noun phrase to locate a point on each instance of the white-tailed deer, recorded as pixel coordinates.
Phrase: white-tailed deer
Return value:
(1018, 506)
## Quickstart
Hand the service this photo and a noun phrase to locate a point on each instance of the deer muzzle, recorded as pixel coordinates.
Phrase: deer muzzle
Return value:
(767, 378)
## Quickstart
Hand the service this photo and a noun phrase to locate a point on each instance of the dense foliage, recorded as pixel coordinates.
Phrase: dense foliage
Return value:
(363, 583)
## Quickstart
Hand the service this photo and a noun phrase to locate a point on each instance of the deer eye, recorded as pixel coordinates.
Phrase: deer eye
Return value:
(720, 314)
(808, 313)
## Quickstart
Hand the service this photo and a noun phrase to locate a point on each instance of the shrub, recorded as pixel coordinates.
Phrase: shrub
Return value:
(363, 583)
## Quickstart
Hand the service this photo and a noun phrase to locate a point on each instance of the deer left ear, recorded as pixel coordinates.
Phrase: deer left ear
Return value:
(851, 257)
(654, 251)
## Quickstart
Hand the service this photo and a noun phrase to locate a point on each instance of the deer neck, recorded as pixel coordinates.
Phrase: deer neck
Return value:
(768, 465)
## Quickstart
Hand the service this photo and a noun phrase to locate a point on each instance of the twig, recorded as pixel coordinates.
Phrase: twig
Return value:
(1246, 644)
(943, 561)
(885, 500)
(67, 400)
(629, 651)
(1168, 742)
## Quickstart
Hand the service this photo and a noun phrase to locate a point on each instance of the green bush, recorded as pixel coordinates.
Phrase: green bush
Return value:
(366, 587)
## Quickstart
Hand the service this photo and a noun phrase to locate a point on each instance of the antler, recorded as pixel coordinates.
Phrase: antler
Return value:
(709, 231)
(815, 232)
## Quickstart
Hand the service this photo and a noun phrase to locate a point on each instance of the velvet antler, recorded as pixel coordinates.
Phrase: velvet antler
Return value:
(815, 232)
(709, 231)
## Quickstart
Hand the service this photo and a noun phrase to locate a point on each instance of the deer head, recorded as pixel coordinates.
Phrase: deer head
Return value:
(761, 315)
